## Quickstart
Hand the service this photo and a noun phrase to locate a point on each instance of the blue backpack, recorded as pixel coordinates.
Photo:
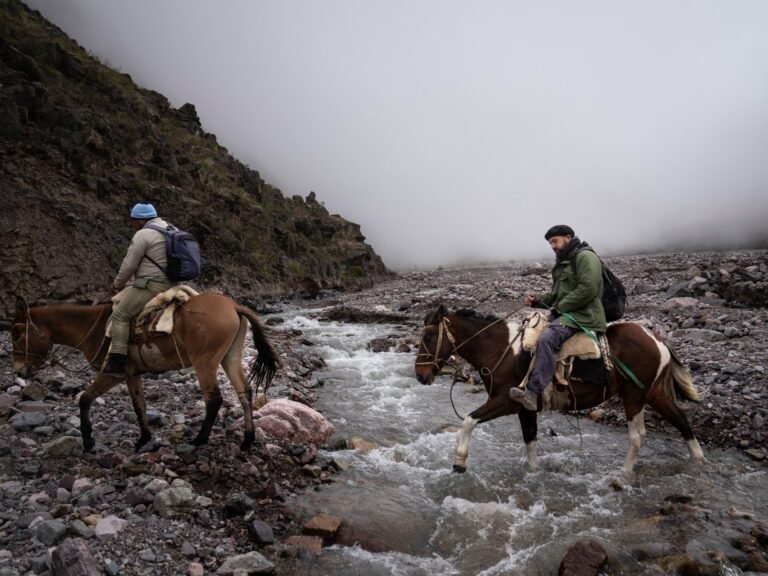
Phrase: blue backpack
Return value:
(182, 252)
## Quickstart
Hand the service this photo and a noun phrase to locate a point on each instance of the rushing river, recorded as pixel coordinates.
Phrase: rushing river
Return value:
(420, 518)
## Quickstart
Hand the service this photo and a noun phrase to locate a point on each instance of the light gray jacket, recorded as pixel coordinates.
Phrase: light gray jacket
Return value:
(145, 242)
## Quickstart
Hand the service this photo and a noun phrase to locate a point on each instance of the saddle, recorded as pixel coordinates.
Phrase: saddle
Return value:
(580, 358)
(157, 315)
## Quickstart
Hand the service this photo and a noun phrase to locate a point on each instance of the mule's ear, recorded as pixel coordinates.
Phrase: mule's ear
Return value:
(21, 307)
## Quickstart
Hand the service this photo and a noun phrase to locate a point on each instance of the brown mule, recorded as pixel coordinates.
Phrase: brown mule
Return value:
(209, 331)
(492, 348)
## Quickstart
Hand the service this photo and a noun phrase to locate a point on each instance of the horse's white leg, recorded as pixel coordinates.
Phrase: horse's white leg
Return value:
(636, 428)
(531, 450)
(695, 451)
(462, 446)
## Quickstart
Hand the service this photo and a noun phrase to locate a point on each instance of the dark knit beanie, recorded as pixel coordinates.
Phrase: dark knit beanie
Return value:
(559, 230)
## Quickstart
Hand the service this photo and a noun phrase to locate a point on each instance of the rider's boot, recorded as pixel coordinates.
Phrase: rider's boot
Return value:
(527, 398)
(115, 365)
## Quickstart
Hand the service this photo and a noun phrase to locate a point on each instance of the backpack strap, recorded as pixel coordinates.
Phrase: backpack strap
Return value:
(579, 251)
(165, 232)
(148, 257)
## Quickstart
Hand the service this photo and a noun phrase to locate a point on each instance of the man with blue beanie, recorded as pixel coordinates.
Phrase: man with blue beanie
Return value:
(143, 266)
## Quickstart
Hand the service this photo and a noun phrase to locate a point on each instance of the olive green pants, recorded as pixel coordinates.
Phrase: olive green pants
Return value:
(131, 304)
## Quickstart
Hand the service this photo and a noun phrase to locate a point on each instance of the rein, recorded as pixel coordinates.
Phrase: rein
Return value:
(443, 326)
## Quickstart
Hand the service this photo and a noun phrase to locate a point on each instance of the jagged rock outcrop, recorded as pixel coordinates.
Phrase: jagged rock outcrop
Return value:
(81, 143)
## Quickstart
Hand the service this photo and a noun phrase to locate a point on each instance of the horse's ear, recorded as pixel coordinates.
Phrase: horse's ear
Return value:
(436, 316)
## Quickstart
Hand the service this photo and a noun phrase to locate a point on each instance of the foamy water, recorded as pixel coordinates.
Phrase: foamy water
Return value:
(497, 518)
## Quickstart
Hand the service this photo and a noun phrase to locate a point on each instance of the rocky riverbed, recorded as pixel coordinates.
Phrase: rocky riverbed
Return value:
(173, 509)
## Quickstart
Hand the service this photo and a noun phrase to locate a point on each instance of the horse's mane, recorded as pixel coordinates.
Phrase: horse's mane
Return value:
(468, 313)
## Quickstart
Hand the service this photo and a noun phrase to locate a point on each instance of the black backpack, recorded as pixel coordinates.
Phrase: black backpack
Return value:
(614, 297)
(182, 252)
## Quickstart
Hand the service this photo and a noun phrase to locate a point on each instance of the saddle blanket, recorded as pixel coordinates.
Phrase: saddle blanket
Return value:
(157, 314)
(579, 346)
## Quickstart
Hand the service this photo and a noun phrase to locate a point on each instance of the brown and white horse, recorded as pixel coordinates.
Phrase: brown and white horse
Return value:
(493, 348)
(209, 331)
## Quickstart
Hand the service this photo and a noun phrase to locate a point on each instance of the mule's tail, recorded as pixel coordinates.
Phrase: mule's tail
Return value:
(264, 366)
(681, 379)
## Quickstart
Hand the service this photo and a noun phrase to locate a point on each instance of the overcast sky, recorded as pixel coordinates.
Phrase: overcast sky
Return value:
(456, 131)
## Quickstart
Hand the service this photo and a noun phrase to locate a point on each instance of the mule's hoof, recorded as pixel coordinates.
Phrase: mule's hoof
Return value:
(88, 444)
(459, 469)
(199, 441)
(246, 444)
(141, 442)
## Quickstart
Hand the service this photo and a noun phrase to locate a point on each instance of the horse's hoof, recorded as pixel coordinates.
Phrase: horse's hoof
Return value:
(459, 469)
(199, 441)
(88, 444)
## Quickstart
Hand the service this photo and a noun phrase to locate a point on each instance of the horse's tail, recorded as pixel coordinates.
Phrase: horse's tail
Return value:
(264, 366)
(680, 379)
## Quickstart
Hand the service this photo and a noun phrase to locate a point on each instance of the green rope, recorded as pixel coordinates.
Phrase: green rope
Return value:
(618, 362)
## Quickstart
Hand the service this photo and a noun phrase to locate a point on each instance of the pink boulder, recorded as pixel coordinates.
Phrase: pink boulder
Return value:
(292, 421)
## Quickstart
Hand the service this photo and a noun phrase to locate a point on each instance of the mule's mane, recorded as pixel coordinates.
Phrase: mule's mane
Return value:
(76, 303)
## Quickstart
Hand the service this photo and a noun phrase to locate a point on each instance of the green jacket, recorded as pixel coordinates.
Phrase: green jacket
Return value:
(578, 288)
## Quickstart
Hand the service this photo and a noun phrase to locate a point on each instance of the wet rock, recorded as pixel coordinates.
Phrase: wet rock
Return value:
(652, 550)
(584, 558)
(311, 544)
(357, 443)
(680, 564)
(324, 525)
(380, 345)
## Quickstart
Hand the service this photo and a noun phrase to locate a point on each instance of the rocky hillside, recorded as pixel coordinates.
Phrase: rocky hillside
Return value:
(81, 143)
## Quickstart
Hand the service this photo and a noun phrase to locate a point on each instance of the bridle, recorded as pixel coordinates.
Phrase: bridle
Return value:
(441, 330)
(28, 323)
(443, 327)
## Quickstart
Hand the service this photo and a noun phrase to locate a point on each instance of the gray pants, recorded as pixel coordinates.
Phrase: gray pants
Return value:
(549, 344)
(128, 308)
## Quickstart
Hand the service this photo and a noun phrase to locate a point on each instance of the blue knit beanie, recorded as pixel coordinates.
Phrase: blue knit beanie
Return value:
(143, 211)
